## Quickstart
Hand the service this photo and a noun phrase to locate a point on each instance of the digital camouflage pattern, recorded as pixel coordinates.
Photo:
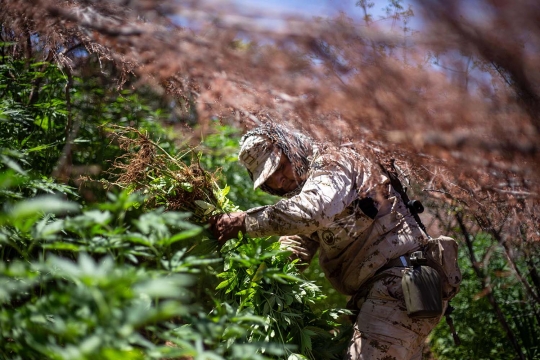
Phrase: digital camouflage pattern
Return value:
(382, 330)
(323, 214)
(260, 158)
(352, 245)
(299, 149)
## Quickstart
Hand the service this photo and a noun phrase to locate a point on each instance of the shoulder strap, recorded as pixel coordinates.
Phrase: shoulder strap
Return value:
(414, 206)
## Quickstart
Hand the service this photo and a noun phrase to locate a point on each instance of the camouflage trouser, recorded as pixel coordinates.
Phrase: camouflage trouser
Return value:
(383, 331)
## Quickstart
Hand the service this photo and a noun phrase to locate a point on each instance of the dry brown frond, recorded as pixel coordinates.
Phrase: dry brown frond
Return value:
(457, 102)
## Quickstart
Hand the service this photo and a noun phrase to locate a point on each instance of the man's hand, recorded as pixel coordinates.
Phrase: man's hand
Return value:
(227, 226)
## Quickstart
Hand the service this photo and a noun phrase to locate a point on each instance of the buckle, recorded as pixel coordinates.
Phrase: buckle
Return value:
(418, 258)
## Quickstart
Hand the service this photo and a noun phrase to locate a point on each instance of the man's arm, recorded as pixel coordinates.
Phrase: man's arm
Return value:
(326, 193)
(329, 189)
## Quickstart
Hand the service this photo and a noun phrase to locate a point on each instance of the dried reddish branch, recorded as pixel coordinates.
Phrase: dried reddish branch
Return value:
(456, 103)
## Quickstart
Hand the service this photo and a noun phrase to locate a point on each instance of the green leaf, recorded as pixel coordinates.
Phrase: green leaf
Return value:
(12, 164)
(287, 277)
(63, 246)
(139, 239)
(184, 235)
(224, 284)
(260, 272)
(40, 63)
(169, 287)
(306, 339)
(204, 205)
(316, 331)
(186, 186)
(225, 191)
(42, 205)
(41, 147)
(9, 179)
(98, 217)
(279, 303)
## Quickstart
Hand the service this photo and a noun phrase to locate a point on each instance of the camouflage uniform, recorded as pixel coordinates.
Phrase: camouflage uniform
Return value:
(324, 215)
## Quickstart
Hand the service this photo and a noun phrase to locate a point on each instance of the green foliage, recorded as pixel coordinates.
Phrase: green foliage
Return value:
(33, 112)
(52, 122)
(117, 279)
(107, 281)
(475, 320)
(113, 279)
(168, 180)
(258, 275)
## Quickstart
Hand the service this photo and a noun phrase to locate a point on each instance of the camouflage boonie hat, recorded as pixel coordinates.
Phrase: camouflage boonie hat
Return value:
(260, 157)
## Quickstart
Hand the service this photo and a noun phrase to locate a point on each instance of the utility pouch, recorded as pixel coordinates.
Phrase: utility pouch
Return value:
(442, 254)
(422, 291)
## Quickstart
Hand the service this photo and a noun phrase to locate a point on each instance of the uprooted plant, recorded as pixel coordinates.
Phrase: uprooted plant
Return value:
(167, 180)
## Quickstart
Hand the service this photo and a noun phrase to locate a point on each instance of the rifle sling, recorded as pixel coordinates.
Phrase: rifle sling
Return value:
(396, 184)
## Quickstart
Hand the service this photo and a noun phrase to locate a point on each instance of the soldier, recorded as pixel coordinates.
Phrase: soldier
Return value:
(338, 202)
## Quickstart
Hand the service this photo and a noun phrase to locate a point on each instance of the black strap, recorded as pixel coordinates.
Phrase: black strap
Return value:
(414, 206)
(450, 322)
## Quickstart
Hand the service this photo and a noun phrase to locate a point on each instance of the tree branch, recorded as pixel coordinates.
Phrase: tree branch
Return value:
(481, 277)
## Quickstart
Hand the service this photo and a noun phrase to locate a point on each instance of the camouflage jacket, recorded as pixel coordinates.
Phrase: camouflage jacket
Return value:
(325, 216)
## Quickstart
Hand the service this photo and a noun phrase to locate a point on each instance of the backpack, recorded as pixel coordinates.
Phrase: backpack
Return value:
(442, 255)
